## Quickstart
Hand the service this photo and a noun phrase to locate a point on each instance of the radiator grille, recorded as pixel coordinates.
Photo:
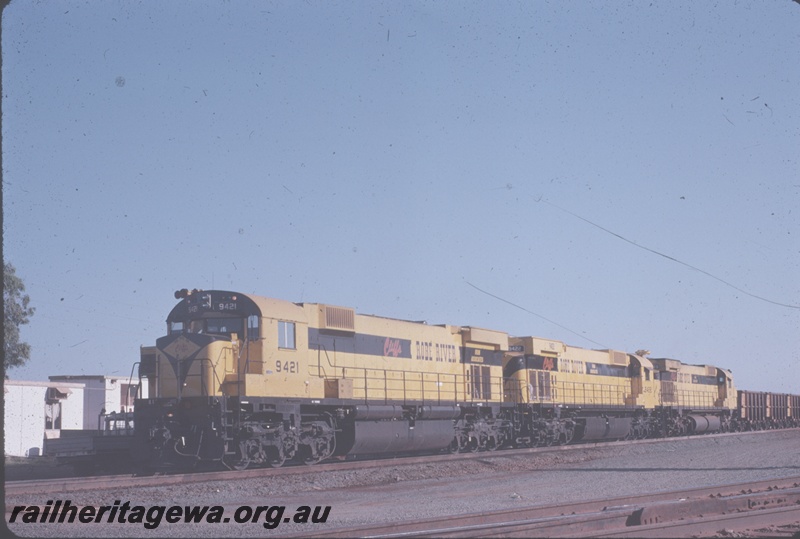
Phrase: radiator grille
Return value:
(338, 318)
(619, 358)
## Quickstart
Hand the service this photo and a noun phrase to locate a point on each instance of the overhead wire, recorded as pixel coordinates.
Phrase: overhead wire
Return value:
(565, 328)
(673, 259)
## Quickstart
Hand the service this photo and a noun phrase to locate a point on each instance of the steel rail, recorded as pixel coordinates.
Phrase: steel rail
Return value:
(101, 482)
(779, 516)
(633, 513)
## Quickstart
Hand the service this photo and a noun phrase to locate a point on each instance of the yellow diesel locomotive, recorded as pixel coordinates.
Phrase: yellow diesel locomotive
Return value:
(244, 380)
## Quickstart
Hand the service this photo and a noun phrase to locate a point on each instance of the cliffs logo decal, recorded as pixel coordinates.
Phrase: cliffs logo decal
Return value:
(392, 347)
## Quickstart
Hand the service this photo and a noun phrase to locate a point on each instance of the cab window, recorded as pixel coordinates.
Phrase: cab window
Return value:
(286, 335)
(225, 326)
(175, 327)
(253, 328)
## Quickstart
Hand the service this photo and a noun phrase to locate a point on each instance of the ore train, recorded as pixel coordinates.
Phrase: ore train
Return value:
(242, 380)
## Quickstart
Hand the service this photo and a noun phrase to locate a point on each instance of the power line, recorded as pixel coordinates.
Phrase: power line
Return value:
(535, 314)
(673, 259)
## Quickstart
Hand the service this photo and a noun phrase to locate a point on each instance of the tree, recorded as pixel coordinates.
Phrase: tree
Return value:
(15, 314)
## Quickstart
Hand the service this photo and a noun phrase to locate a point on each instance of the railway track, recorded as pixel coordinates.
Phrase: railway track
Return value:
(100, 482)
(671, 514)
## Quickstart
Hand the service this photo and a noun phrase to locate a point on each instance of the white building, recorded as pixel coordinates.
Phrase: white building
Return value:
(37, 410)
(33, 410)
(103, 394)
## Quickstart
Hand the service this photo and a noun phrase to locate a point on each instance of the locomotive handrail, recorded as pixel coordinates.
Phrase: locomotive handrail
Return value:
(385, 385)
(108, 423)
(321, 348)
(395, 385)
(239, 372)
(130, 380)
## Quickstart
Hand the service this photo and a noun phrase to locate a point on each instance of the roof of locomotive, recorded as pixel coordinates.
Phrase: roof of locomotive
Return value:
(216, 302)
(212, 303)
(262, 305)
(251, 304)
(664, 362)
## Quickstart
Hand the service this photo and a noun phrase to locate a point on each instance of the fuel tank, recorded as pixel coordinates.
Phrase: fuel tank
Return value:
(375, 437)
(606, 428)
(703, 423)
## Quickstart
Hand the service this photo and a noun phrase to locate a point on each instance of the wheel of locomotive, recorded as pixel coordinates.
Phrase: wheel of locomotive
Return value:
(491, 443)
(485, 440)
(240, 464)
(552, 439)
(241, 459)
(567, 435)
(454, 446)
(277, 458)
(310, 461)
(318, 441)
(322, 455)
(533, 440)
(473, 444)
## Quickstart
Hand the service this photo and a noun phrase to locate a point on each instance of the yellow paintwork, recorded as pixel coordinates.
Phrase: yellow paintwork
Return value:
(568, 376)
(433, 373)
(376, 359)
(677, 386)
(575, 377)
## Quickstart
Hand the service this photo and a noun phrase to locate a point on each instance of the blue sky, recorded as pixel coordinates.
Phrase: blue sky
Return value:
(400, 158)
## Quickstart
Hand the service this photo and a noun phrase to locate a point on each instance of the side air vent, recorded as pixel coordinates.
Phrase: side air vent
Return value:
(340, 318)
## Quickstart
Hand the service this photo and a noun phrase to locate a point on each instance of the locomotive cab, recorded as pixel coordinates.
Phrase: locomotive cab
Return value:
(644, 388)
(725, 389)
(221, 343)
